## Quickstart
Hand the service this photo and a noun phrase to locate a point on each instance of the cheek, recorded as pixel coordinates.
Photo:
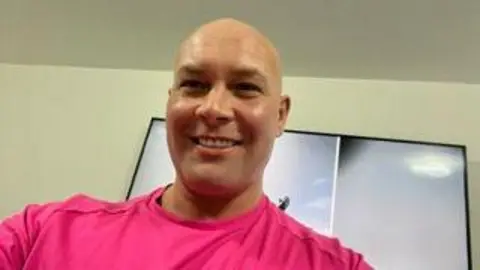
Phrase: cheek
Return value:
(178, 119)
(260, 123)
(179, 113)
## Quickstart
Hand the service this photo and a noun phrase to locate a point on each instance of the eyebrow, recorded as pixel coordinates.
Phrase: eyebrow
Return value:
(190, 69)
(238, 72)
(249, 72)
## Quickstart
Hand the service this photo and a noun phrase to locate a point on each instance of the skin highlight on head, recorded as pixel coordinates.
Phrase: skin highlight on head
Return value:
(233, 32)
(224, 111)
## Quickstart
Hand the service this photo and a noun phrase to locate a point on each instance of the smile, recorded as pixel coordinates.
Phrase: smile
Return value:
(215, 142)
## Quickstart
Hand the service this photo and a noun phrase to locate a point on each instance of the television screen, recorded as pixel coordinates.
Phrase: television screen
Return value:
(402, 204)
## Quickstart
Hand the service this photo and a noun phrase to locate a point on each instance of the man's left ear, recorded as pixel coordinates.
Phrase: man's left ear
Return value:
(283, 112)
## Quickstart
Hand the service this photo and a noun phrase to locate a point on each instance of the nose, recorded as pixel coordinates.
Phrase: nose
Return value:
(215, 108)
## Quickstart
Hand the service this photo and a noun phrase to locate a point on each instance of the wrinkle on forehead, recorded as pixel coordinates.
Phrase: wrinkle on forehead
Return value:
(234, 35)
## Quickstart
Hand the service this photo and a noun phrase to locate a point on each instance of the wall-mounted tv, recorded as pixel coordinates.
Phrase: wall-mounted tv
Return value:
(403, 204)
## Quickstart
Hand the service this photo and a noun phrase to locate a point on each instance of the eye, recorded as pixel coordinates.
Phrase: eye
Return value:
(192, 85)
(246, 86)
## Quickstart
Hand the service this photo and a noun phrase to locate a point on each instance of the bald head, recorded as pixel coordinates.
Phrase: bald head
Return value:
(233, 44)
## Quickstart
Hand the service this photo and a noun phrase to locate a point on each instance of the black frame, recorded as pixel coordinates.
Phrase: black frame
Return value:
(463, 147)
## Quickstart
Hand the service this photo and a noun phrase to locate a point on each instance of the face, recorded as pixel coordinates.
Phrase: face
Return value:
(224, 113)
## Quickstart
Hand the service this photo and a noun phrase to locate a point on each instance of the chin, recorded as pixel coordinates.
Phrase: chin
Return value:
(209, 183)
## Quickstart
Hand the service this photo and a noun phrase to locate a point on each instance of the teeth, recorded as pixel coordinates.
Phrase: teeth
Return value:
(216, 143)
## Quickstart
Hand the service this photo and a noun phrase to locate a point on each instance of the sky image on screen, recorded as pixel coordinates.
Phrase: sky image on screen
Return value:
(402, 203)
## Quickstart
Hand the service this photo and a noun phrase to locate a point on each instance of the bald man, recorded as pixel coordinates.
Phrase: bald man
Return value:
(224, 111)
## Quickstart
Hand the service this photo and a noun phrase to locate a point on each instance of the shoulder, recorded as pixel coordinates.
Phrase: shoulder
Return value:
(80, 204)
(83, 205)
(319, 250)
(20, 232)
(35, 217)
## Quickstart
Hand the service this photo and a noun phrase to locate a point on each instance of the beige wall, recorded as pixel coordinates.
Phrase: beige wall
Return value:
(68, 130)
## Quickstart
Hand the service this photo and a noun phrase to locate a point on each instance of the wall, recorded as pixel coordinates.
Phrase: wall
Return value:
(67, 130)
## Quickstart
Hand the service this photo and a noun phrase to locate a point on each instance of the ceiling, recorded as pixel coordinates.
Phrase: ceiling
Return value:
(427, 40)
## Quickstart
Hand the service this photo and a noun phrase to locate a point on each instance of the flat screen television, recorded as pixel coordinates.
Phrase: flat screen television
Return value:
(402, 204)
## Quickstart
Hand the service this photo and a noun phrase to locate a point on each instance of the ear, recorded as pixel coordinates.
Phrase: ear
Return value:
(283, 112)
(170, 91)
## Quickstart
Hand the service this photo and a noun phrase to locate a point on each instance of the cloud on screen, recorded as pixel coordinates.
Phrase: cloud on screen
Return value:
(319, 181)
(320, 203)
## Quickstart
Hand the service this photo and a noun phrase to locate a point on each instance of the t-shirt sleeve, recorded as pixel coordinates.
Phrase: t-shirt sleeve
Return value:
(344, 258)
(362, 264)
(354, 260)
(18, 233)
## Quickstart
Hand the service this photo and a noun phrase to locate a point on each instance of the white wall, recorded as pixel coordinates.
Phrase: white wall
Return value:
(67, 130)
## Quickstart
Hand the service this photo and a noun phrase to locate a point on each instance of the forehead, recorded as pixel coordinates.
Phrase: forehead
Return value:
(226, 53)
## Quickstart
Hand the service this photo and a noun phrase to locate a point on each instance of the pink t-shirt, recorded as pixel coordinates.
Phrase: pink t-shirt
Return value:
(83, 233)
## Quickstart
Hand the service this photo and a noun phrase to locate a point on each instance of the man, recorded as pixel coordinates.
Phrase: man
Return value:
(224, 111)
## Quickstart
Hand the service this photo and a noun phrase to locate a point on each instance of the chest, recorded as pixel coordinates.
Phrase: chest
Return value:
(160, 248)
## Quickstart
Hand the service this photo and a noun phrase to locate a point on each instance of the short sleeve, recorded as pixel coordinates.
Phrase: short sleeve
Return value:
(354, 260)
(361, 264)
(18, 233)
(343, 258)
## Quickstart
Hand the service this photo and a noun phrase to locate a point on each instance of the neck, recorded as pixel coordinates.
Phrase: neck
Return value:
(186, 204)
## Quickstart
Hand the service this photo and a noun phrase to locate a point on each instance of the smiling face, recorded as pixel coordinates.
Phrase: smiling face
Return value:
(225, 109)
